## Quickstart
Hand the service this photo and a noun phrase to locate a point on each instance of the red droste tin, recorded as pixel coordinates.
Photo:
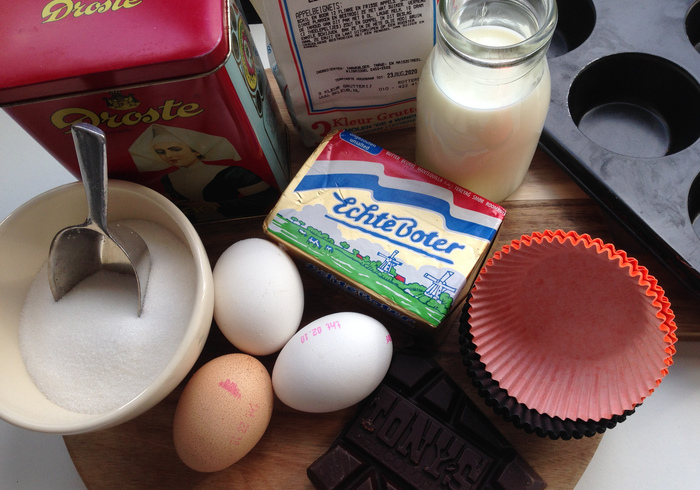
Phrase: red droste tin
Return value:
(176, 85)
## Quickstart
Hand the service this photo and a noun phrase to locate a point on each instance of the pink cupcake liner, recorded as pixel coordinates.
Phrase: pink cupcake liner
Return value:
(518, 414)
(571, 327)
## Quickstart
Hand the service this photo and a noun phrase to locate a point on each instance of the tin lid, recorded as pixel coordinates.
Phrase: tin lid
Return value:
(55, 48)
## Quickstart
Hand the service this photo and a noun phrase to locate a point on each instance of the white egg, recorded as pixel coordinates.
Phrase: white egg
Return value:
(332, 363)
(258, 296)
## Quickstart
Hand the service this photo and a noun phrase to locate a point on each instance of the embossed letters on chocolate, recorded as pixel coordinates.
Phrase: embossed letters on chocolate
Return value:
(429, 454)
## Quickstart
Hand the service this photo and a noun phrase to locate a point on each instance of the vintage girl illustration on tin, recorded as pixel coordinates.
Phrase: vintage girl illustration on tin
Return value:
(202, 170)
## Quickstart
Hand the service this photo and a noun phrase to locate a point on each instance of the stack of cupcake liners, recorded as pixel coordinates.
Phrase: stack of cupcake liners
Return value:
(564, 335)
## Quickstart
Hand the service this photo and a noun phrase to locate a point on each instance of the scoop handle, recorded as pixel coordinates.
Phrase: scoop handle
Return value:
(91, 149)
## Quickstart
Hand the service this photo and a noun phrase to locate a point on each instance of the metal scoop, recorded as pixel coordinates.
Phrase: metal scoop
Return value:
(79, 251)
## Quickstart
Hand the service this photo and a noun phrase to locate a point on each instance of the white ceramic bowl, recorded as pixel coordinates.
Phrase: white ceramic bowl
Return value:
(25, 238)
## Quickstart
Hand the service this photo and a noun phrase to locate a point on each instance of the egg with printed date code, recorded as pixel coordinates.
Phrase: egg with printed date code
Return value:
(258, 296)
(332, 363)
(223, 412)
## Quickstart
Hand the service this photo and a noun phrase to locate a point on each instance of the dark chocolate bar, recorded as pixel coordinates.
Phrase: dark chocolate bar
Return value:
(420, 430)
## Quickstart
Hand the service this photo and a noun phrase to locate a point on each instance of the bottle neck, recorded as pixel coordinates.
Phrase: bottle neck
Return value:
(496, 33)
(484, 87)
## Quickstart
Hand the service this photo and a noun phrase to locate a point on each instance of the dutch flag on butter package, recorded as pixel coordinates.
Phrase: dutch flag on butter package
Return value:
(385, 230)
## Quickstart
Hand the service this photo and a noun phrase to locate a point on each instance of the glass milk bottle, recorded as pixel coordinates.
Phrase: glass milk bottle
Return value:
(484, 93)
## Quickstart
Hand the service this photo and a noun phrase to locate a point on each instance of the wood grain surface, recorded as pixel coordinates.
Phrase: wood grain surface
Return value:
(140, 453)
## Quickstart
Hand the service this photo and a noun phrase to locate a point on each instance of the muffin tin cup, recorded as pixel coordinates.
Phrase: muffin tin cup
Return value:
(623, 118)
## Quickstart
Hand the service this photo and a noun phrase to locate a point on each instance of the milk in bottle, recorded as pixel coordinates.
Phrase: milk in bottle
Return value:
(484, 93)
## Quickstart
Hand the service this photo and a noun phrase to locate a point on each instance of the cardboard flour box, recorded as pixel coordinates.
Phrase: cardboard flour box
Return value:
(385, 230)
(178, 88)
(352, 65)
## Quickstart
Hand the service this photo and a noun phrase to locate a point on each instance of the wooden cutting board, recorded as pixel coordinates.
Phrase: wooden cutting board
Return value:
(140, 453)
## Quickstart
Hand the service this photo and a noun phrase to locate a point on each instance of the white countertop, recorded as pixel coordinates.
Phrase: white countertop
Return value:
(656, 448)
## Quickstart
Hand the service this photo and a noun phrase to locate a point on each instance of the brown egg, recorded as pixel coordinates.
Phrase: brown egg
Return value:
(223, 412)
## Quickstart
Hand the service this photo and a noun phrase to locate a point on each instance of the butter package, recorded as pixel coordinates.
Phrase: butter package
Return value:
(177, 87)
(385, 230)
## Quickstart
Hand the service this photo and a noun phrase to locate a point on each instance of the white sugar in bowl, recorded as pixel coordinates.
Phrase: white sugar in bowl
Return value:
(26, 396)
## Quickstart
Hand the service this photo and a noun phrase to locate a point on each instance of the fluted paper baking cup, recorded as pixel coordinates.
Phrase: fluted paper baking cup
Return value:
(571, 327)
(522, 417)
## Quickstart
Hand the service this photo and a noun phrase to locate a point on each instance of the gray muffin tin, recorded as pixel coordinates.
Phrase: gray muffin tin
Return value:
(624, 119)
